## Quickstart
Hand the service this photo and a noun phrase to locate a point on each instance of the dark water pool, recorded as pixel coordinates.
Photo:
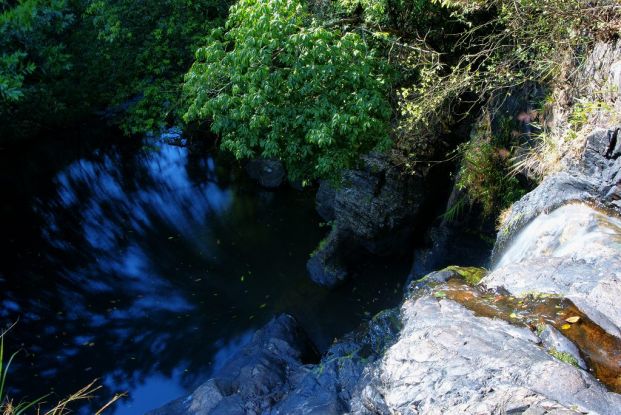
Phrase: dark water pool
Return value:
(146, 265)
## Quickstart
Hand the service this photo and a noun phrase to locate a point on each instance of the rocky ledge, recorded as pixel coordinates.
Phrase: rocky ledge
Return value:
(539, 334)
(256, 378)
(457, 354)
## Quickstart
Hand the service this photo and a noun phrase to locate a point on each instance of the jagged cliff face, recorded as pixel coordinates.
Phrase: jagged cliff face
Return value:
(458, 354)
(538, 334)
(451, 357)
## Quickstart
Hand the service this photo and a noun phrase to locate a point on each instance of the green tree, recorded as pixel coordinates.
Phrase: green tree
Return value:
(144, 48)
(63, 59)
(277, 84)
(32, 54)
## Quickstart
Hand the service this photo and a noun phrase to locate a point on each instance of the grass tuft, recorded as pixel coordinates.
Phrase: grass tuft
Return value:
(8, 407)
(564, 357)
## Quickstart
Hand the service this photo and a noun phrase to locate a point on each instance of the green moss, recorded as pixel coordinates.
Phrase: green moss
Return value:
(537, 295)
(322, 244)
(564, 357)
(540, 328)
(472, 275)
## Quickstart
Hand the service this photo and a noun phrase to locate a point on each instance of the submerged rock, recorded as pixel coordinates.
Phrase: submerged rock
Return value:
(555, 342)
(268, 173)
(327, 266)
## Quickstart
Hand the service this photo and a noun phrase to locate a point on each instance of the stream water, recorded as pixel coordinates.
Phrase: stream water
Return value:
(575, 230)
(146, 265)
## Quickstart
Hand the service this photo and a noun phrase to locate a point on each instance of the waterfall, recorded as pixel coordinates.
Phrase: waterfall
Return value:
(577, 230)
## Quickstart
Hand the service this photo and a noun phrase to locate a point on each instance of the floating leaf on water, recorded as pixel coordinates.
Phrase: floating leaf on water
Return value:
(242, 278)
(263, 305)
(573, 319)
(171, 237)
(566, 326)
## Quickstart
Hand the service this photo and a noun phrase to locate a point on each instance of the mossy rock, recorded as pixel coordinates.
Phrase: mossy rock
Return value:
(564, 357)
(472, 275)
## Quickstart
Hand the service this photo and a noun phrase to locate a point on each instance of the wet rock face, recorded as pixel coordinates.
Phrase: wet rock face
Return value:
(378, 205)
(253, 379)
(268, 173)
(324, 200)
(573, 251)
(596, 178)
(373, 210)
(328, 387)
(466, 236)
(273, 375)
(449, 361)
(549, 245)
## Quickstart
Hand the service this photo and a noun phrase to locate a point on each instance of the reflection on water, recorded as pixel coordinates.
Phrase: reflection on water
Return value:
(147, 265)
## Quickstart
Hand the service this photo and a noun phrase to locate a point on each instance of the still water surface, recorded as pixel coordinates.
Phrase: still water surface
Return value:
(146, 265)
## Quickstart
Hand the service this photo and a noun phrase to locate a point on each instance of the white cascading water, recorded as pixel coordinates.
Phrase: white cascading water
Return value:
(576, 230)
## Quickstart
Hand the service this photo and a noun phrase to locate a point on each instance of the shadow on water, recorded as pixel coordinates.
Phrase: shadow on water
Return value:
(147, 265)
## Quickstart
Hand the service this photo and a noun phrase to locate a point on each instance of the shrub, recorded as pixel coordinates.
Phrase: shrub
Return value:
(501, 45)
(485, 171)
